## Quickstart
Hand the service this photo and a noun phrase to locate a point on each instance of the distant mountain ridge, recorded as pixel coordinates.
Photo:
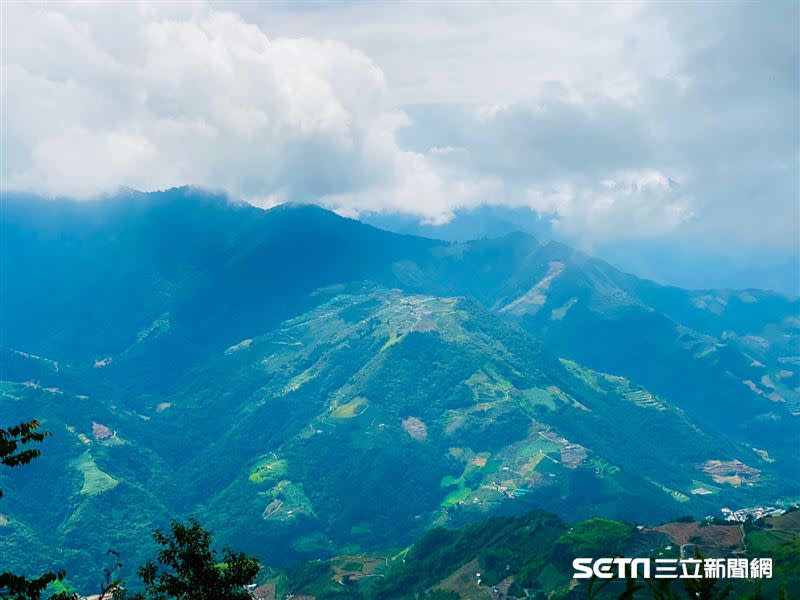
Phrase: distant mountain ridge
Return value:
(530, 556)
(688, 266)
(309, 384)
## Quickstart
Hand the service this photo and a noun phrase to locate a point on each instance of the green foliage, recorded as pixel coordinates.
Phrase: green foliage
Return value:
(95, 481)
(502, 545)
(189, 569)
(18, 587)
(195, 420)
(593, 538)
(786, 567)
(268, 469)
(14, 440)
(316, 578)
(13, 586)
(307, 572)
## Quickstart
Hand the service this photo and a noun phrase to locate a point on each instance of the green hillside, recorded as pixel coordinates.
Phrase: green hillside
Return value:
(530, 556)
(310, 386)
(359, 425)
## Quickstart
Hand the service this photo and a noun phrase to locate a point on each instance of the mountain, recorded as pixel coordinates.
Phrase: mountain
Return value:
(124, 284)
(334, 427)
(530, 556)
(482, 222)
(689, 265)
(733, 350)
(310, 385)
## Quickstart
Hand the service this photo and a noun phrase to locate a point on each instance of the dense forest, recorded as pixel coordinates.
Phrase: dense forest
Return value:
(526, 556)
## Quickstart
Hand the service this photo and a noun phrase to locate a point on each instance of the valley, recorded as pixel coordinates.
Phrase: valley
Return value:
(309, 386)
(530, 555)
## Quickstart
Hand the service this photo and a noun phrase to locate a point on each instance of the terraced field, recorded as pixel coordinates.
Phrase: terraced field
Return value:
(676, 495)
(644, 399)
(95, 481)
(269, 469)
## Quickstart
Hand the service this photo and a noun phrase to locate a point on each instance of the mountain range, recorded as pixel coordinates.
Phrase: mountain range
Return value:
(309, 385)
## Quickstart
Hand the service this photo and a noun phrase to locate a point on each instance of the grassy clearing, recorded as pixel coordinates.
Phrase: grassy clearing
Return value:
(537, 397)
(476, 464)
(784, 528)
(300, 380)
(450, 481)
(529, 467)
(312, 543)
(501, 382)
(288, 501)
(269, 469)
(676, 495)
(587, 375)
(361, 529)
(95, 481)
(766, 541)
(539, 445)
(391, 342)
(355, 407)
(456, 497)
(697, 488)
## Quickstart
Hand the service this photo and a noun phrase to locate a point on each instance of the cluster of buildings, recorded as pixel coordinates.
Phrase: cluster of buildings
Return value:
(755, 512)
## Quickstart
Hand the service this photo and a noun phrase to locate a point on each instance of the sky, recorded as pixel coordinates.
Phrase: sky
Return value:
(619, 122)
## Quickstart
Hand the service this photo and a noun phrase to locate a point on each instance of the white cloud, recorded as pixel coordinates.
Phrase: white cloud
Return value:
(199, 96)
(80, 162)
(587, 113)
(630, 205)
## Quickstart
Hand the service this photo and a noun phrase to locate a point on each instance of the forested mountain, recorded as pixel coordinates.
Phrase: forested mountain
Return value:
(309, 385)
(530, 556)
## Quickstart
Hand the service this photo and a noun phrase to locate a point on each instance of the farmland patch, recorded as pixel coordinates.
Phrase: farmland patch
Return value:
(351, 409)
(95, 481)
(269, 469)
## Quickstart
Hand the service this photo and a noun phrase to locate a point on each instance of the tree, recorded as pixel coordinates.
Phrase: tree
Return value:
(189, 569)
(16, 450)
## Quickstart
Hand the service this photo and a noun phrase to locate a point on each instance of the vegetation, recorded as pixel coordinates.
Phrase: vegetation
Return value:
(16, 450)
(532, 552)
(189, 569)
(359, 415)
(593, 538)
(530, 556)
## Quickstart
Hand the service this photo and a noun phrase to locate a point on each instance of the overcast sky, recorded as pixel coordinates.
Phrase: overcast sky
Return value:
(615, 121)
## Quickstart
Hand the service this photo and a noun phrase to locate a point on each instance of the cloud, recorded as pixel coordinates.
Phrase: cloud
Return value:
(707, 97)
(614, 121)
(195, 96)
(643, 204)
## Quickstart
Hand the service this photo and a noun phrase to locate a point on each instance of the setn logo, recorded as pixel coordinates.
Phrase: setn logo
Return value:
(604, 568)
(672, 568)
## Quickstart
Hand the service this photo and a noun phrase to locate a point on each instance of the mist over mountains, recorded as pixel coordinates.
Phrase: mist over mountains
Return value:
(310, 384)
(691, 264)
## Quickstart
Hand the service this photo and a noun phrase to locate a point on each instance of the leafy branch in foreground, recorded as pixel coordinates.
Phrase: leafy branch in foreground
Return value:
(15, 450)
(189, 569)
(14, 441)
